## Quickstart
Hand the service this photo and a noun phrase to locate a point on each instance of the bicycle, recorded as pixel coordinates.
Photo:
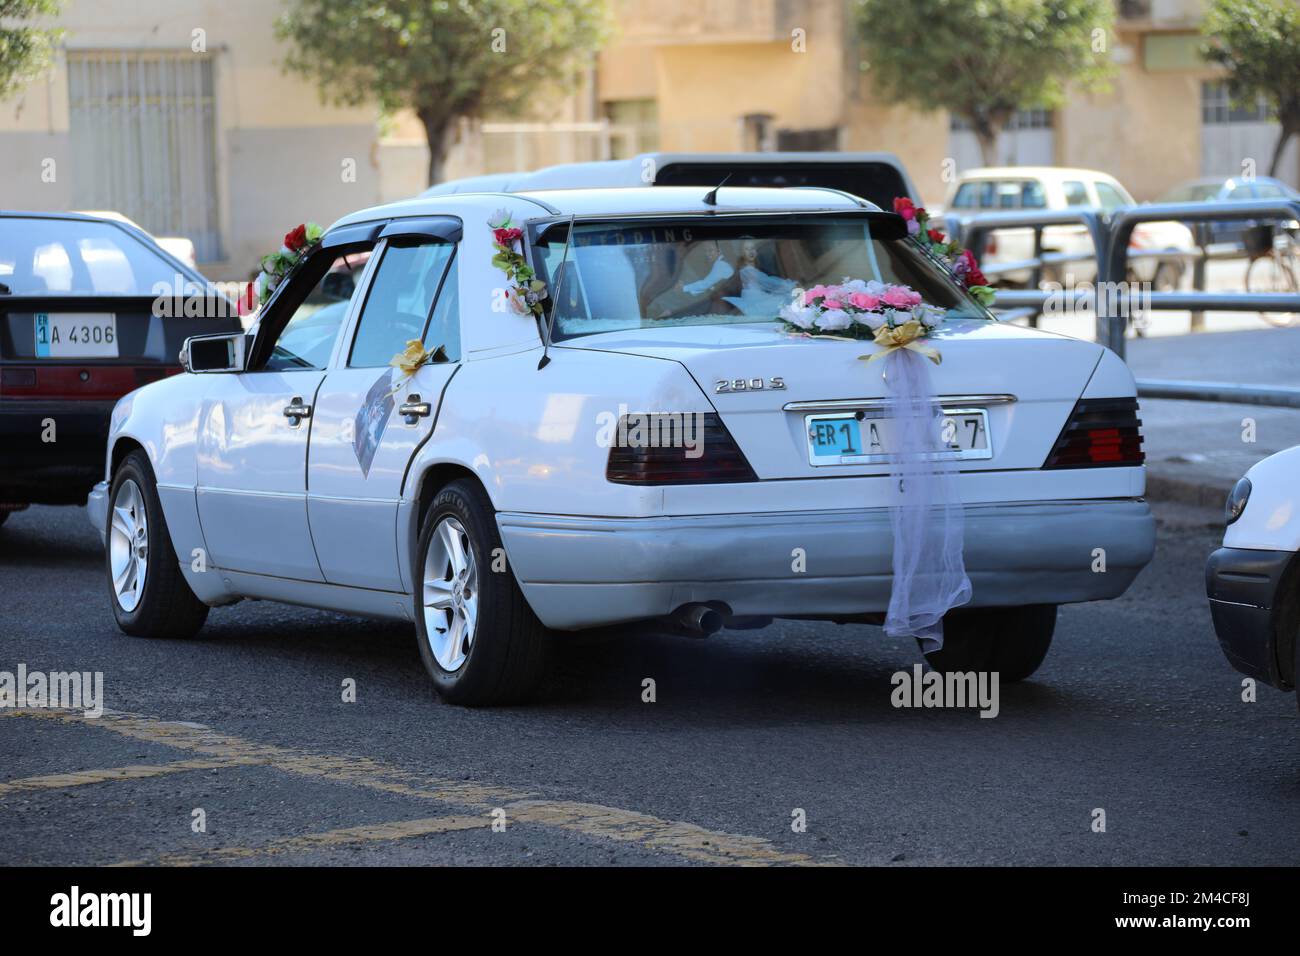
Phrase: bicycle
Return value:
(1274, 266)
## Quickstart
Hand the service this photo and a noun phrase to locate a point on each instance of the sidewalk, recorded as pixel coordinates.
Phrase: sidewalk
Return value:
(1196, 451)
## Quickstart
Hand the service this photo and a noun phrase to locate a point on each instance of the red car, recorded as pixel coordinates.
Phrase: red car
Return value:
(90, 309)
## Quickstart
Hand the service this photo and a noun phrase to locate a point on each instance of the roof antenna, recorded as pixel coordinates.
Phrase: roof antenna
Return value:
(555, 299)
(711, 197)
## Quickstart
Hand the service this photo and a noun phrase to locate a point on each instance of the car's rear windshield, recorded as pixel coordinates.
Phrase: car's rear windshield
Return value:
(77, 257)
(653, 273)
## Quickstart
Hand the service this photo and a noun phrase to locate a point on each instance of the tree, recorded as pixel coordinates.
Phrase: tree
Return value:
(1258, 43)
(983, 60)
(444, 59)
(25, 46)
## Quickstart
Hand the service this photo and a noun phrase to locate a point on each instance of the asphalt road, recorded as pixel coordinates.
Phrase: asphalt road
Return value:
(1135, 712)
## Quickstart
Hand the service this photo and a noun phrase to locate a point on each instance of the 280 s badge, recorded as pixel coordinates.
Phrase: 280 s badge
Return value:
(749, 384)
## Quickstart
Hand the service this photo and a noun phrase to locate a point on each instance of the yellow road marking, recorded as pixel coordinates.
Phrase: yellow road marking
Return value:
(346, 836)
(653, 833)
(58, 781)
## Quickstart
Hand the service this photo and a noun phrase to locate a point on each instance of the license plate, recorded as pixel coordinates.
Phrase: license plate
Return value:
(76, 335)
(865, 438)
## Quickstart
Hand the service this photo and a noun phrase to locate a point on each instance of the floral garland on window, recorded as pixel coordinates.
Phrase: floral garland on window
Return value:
(526, 293)
(298, 242)
(960, 260)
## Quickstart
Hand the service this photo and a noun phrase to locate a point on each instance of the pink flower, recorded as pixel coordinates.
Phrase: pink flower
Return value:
(865, 301)
(905, 207)
(813, 293)
(900, 297)
(832, 304)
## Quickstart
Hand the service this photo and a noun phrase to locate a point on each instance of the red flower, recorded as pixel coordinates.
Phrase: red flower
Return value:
(936, 236)
(505, 237)
(296, 238)
(904, 207)
(968, 270)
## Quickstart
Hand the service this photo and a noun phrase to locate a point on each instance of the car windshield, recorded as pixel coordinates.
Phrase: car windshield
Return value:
(653, 273)
(78, 257)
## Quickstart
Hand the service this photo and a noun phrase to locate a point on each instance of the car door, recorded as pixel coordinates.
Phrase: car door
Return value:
(370, 417)
(251, 449)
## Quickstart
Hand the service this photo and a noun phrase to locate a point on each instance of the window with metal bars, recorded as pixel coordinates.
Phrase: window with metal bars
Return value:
(143, 131)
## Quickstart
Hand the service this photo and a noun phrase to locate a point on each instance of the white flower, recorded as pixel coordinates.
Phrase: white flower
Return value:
(931, 316)
(875, 287)
(798, 315)
(854, 285)
(872, 320)
(833, 320)
(516, 301)
(499, 219)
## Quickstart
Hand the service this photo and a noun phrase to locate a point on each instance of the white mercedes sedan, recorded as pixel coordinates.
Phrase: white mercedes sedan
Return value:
(625, 435)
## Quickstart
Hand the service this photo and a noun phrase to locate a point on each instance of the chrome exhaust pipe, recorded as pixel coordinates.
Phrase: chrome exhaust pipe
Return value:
(699, 620)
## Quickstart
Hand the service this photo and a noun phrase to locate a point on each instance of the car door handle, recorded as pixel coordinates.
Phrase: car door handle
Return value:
(296, 411)
(414, 409)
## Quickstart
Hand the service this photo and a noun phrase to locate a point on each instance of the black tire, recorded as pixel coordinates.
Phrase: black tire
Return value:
(166, 607)
(507, 654)
(1009, 640)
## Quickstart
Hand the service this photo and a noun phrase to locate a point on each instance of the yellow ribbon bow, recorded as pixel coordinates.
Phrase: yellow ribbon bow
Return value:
(905, 336)
(412, 358)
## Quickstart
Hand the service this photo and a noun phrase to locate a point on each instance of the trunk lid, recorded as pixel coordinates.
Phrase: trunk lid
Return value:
(119, 342)
(1025, 381)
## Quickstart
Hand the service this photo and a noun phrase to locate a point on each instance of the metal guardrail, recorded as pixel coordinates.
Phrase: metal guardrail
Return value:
(1114, 265)
(1219, 392)
(1110, 238)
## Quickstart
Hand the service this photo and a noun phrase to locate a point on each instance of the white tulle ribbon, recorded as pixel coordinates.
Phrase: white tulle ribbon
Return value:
(925, 507)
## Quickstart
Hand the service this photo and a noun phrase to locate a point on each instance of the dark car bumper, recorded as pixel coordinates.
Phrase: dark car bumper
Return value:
(37, 470)
(1254, 620)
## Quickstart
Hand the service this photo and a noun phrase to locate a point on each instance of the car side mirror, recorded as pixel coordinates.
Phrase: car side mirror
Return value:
(214, 353)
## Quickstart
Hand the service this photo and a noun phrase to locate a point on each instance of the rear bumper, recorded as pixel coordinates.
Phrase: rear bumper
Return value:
(587, 572)
(36, 469)
(1245, 592)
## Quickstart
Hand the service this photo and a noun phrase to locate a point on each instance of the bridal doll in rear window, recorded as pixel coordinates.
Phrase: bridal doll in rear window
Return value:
(761, 295)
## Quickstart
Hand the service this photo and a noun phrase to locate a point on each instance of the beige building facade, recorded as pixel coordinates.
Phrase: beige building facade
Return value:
(177, 113)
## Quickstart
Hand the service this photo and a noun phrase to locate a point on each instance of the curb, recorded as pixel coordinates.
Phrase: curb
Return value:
(1201, 493)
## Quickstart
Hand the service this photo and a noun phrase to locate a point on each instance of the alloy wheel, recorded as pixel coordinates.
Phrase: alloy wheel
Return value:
(128, 545)
(450, 594)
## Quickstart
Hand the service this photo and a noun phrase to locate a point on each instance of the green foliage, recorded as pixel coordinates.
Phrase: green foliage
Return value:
(26, 44)
(444, 59)
(984, 59)
(1258, 43)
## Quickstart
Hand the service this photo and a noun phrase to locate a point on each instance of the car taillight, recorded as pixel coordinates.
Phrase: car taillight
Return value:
(1100, 432)
(675, 449)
